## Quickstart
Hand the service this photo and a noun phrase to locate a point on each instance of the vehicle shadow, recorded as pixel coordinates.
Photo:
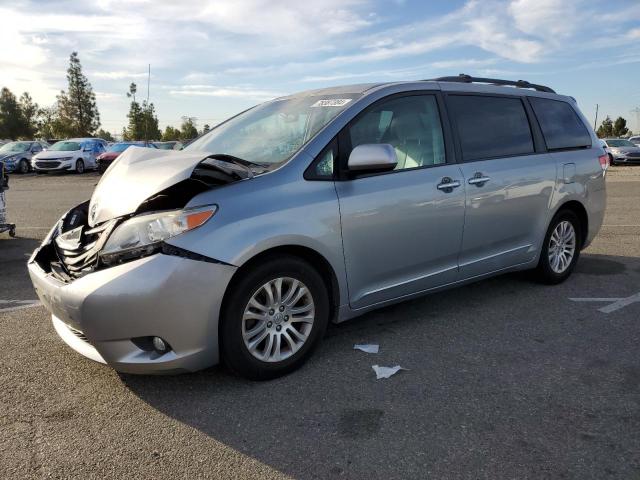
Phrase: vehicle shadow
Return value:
(14, 278)
(485, 388)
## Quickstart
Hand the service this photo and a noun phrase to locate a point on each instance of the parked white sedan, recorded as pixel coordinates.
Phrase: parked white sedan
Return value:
(76, 154)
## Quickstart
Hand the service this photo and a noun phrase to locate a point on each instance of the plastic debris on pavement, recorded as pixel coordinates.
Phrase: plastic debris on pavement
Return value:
(386, 372)
(368, 348)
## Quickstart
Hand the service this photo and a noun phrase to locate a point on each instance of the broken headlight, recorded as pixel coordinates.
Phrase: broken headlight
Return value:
(142, 235)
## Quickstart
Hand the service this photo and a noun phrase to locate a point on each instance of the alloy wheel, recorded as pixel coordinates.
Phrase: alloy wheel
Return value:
(562, 246)
(278, 319)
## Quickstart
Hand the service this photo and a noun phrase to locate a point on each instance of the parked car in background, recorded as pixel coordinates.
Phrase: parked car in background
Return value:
(172, 145)
(17, 155)
(318, 207)
(105, 159)
(635, 140)
(622, 151)
(75, 154)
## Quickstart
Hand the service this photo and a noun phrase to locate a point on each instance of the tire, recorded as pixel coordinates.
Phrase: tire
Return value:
(611, 161)
(80, 166)
(236, 353)
(23, 166)
(548, 273)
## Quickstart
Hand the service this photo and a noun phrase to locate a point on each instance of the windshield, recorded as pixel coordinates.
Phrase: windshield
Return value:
(65, 146)
(620, 143)
(272, 132)
(15, 147)
(119, 147)
(165, 146)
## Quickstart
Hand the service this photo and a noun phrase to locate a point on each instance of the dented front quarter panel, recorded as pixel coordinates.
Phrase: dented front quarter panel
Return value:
(276, 209)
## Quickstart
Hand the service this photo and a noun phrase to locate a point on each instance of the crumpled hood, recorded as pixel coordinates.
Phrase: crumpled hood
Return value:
(134, 176)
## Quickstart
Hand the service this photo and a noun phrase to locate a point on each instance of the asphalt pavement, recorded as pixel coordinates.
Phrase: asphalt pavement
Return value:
(505, 378)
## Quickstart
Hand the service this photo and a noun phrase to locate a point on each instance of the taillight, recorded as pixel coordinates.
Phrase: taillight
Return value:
(604, 161)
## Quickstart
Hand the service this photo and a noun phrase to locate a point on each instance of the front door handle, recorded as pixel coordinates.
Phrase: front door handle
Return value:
(478, 179)
(447, 184)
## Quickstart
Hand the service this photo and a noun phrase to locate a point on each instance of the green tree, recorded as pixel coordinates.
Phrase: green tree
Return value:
(170, 134)
(143, 121)
(134, 128)
(188, 130)
(11, 119)
(49, 123)
(605, 130)
(29, 111)
(105, 135)
(150, 122)
(77, 106)
(132, 131)
(620, 127)
(133, 89)
(206, 128)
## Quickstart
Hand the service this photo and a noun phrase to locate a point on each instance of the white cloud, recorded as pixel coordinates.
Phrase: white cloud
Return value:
(546, 18)
(217, 91)
(118, 75)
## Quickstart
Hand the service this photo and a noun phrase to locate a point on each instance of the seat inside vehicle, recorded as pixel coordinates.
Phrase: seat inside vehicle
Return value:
(415, 133)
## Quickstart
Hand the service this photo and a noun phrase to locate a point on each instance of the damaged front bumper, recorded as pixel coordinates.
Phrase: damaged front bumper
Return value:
(104, 314)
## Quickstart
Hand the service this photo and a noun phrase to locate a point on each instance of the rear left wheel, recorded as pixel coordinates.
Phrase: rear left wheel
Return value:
(561, 248)
(276, 315)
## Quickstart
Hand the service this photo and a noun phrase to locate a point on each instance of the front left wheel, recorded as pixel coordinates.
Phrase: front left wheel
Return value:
(275, 316)
(79, 166)
(23, 166)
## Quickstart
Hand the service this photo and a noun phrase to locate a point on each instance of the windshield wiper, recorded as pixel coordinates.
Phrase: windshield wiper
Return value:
(237, 160)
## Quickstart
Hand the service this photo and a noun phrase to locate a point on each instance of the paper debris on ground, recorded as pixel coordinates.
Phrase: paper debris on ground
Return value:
(367, 347)
(386, 372)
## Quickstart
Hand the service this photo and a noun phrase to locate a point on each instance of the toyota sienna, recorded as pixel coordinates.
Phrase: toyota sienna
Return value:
(318, 207)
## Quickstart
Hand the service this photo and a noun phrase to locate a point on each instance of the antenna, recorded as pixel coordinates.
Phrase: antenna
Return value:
(595, 122)
(146, 117)
(637, 112)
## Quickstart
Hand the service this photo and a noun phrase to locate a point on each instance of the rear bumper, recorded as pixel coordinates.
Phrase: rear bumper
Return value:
(175, 298)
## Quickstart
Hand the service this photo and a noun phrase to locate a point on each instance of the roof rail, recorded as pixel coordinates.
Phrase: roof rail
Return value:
(463, 78)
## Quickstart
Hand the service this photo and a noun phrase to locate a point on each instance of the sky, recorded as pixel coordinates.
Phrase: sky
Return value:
(213, 58)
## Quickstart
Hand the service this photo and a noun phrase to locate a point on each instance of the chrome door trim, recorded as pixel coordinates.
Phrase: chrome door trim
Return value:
(504, 252)
(404, 282)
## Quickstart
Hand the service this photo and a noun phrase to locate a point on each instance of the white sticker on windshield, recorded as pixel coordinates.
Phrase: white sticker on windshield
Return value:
(332, 102)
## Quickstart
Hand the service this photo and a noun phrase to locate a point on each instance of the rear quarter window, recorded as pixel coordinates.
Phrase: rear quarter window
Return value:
(490, 127)
(560, 124)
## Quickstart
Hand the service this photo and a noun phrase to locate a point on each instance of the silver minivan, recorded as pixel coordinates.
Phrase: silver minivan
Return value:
(318, 207)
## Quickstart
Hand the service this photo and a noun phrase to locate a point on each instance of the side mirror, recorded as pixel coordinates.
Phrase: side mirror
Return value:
(372, 157)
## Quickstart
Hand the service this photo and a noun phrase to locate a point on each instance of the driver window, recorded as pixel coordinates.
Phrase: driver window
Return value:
(410, 124)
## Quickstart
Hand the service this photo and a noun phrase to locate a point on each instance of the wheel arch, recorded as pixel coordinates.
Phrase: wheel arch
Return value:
(311, 256)
(581, 212)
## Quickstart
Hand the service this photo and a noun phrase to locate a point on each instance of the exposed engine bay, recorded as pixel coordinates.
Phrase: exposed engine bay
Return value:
(74, 246)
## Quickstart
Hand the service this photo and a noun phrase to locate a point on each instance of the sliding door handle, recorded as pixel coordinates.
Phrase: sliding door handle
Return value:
(479, 179)
(447, 184)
